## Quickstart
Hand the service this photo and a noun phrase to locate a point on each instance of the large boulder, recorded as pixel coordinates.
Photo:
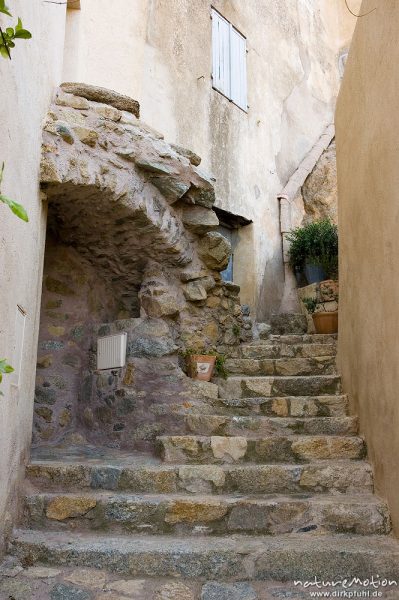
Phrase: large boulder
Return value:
(319, 192)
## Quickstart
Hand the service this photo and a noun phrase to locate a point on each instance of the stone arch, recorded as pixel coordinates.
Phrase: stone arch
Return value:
(131, 230)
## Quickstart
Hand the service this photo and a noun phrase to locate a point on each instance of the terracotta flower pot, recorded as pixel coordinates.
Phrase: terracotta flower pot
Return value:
(200, 366)
(326, 322)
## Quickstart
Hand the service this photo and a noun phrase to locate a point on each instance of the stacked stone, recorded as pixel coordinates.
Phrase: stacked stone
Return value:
(136, 247)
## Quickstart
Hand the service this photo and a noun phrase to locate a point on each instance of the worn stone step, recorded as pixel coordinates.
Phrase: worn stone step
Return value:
(317, 477)
(288, 406)
(262, 350)
(179, 514)
(321, 365)
(282, 558)
(246, 386)
(268, 449)
(307, 338)
(211, 424)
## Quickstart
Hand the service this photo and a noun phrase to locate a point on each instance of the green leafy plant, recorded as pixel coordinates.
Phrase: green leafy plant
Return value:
(220, 368)
(10, 34)
(236, 329)
(4, 369)
(315, 243)
(310, 304)
(16, 208)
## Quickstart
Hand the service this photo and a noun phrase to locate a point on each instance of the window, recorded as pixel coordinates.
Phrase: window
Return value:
(229, 57)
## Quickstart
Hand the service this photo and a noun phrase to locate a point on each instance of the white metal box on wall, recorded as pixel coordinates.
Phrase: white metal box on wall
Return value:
(111, 351)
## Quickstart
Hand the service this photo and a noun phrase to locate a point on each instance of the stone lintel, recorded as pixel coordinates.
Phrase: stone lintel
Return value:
(100, 94)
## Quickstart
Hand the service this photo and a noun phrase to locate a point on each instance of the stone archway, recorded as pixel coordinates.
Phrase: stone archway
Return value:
(131, 247)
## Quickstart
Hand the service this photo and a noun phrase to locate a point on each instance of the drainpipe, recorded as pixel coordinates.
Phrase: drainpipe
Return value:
(289, 301)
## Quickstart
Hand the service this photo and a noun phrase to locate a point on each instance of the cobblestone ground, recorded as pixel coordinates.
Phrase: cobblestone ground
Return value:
(45, 583)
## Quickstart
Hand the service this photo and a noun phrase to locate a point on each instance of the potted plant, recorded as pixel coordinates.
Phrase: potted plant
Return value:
(314, 250)
(202, 364)
(324, 322)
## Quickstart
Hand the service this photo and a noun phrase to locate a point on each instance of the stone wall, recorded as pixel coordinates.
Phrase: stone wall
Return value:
(133, 248)
(74, 299)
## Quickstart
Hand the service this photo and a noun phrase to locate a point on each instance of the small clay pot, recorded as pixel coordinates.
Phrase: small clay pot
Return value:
(326, 322)
(200, 366)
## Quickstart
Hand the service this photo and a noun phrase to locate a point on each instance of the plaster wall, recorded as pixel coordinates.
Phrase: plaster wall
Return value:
(159, 52)
(27, 82)
(367, 125)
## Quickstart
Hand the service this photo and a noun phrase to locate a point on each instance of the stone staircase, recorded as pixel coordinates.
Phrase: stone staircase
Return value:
(266, 482)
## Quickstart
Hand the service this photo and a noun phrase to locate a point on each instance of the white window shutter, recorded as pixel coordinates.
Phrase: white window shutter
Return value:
(221, 53)
(238, 61)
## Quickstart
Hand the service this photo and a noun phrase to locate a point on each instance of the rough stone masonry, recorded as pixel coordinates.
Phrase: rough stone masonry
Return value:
(132, 246)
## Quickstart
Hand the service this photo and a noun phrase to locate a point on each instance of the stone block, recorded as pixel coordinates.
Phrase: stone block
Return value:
(99, 94)
(72, 101)
(201, 478)
(86, 136)
(171, 187)
(43, 362)
(288, 323)
(199, 219)
(215, 250)
(194, 291)
(67, 592)
(192, 157)
(64, 507)
(194, 511)
(228, 591)
(230, 449)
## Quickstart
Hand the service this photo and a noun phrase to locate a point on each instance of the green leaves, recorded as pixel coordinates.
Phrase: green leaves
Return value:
(4, 8)
(16, 208)
(4, 368)
(316, 242)
(20, 32)
(8, 36)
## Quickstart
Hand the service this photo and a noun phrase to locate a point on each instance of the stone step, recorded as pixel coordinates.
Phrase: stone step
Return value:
(288, 406)
(246, 387)
(326, 476)
(182, 515)
(256, 426)
(307, 338)
(263, 350)
(321, 365)
(189, 449)
(282, 558)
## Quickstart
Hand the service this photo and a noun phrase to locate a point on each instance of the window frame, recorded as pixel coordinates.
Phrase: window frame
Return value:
(237, 31)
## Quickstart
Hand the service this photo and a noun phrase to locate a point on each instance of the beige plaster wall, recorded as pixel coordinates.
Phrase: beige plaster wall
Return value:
(27, 82)
(367, 129)
(159, 52)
